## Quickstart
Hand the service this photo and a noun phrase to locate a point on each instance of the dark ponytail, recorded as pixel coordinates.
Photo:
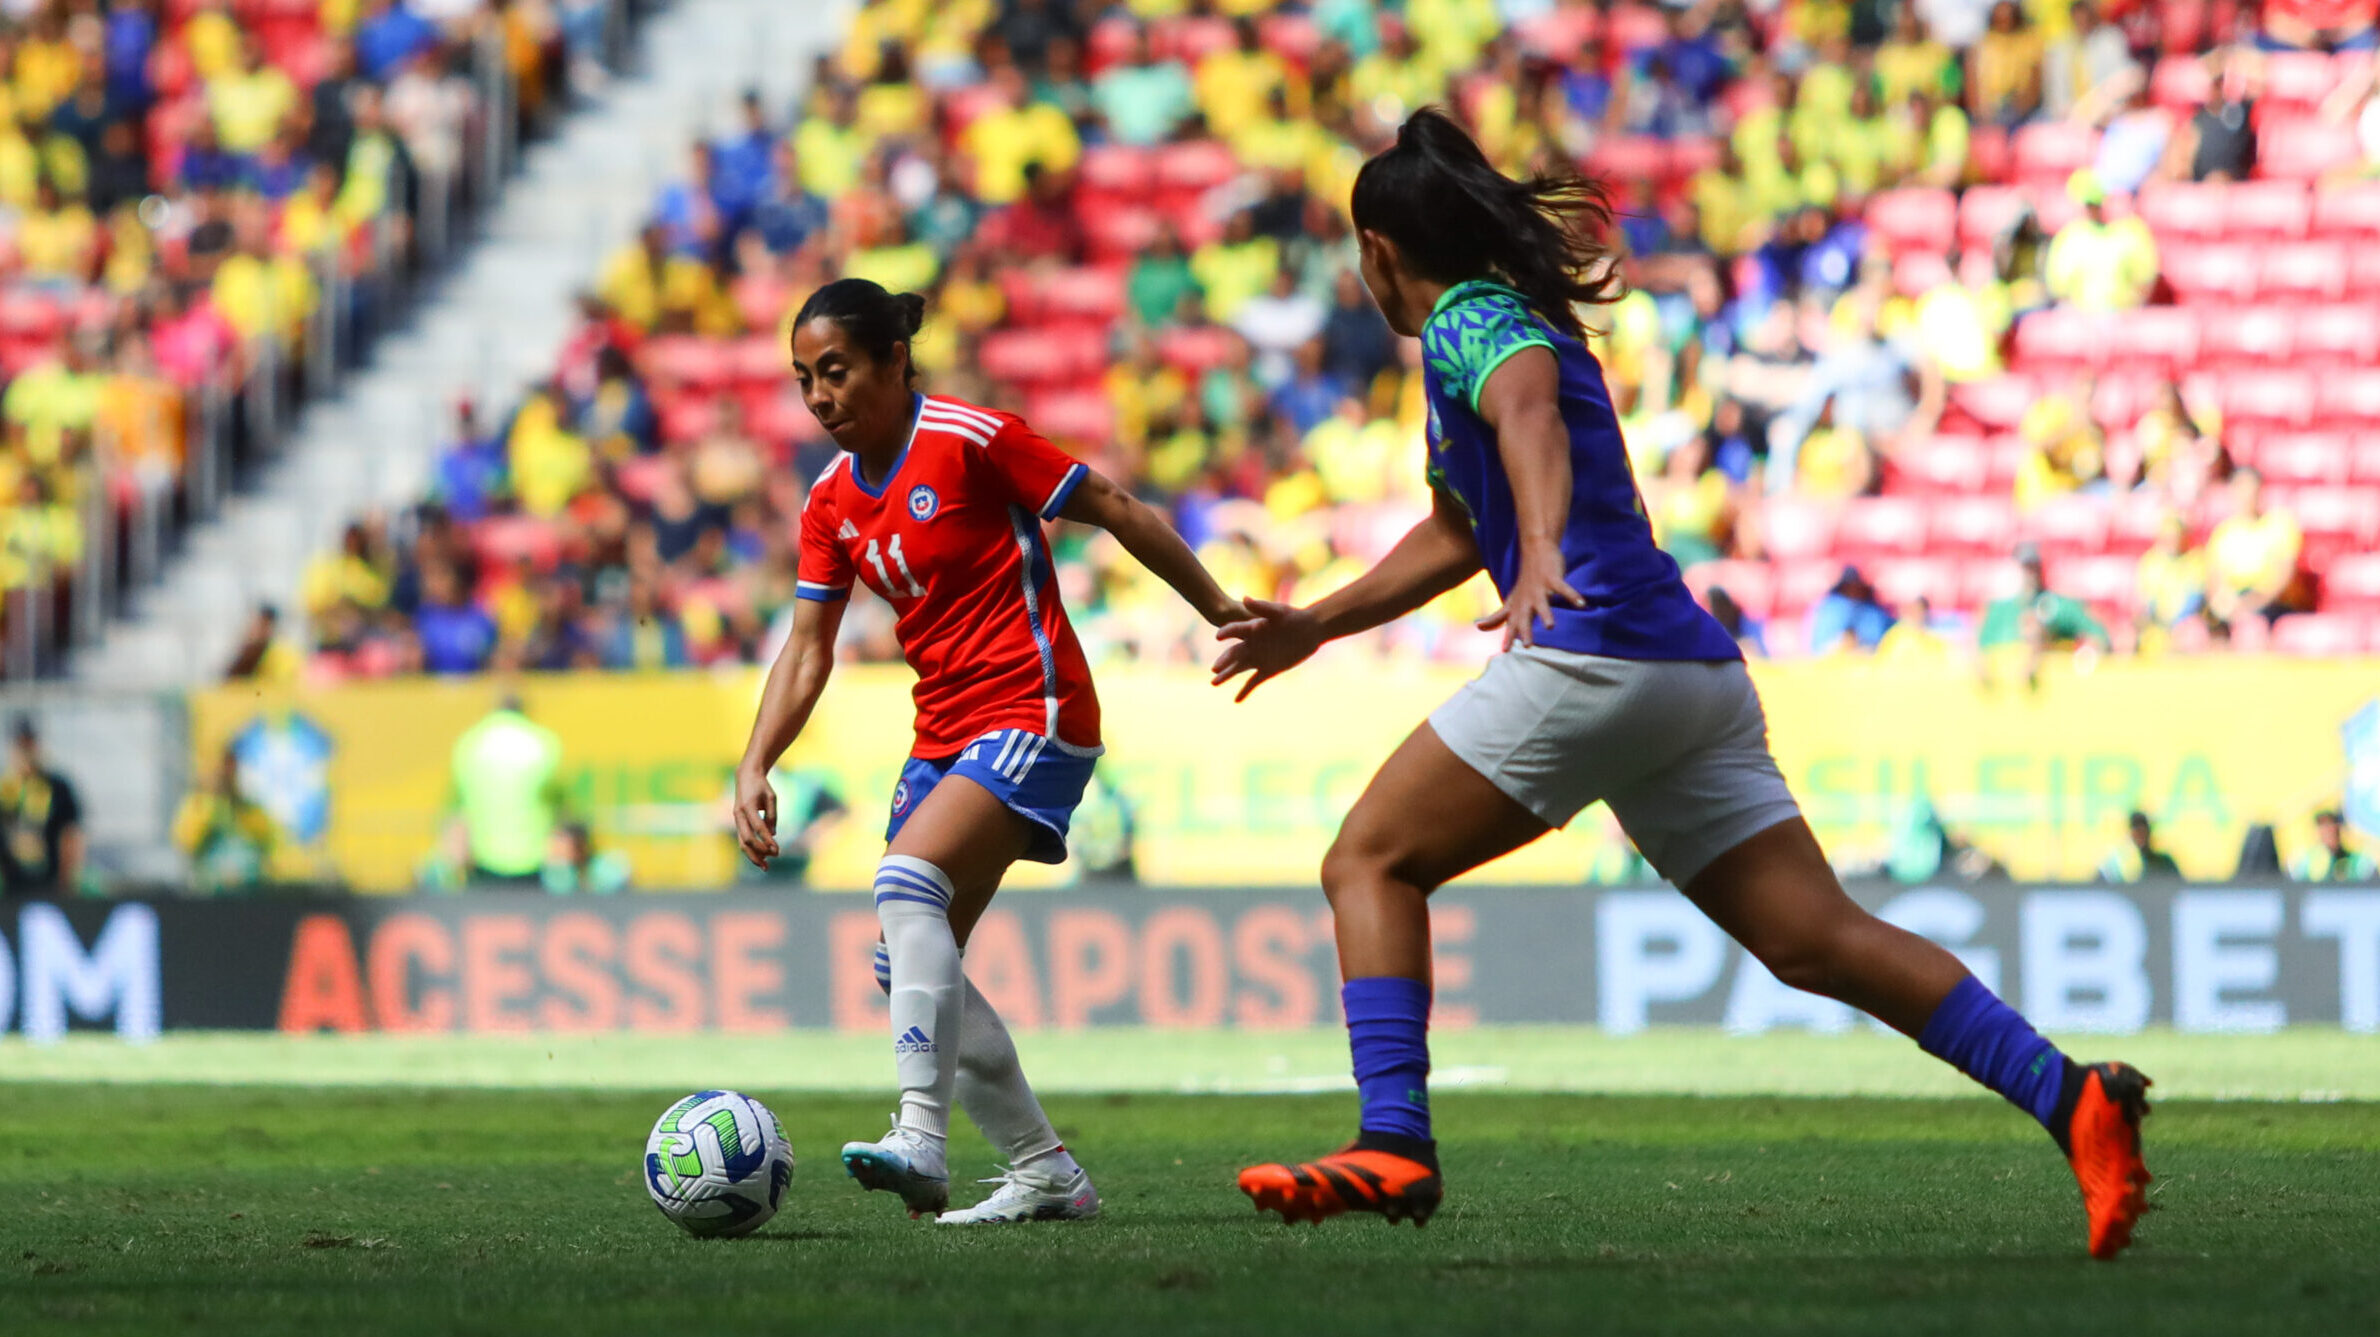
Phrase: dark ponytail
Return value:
(870, 317)
(1453, 216)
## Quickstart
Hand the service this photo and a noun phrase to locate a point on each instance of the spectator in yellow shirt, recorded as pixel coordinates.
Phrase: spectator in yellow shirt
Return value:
(831, 148)
(2097, 263)
(262, 294)
(2169, 585)
(1911, 61)
(2252, 558)
(1231, 84)
(249, 103)
(47, 67)
(58, 240)
(1395, 80)
(1234, 267)
(2064, 450)
(52, 399)
(212, 37)
(1017, 132)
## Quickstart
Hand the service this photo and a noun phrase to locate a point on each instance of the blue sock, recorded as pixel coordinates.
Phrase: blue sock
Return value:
(1986, 1039)
(1388, 1028)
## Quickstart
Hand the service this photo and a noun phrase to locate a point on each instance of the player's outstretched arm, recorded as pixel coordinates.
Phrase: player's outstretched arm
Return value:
(1521, 403)
(795, 681)
(1153, 543)
(1433, 557)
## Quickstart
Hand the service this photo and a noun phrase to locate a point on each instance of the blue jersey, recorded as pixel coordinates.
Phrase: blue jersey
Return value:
(1636, 605)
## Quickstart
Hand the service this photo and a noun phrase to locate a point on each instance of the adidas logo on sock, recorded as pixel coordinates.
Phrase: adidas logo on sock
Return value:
(913, 1041)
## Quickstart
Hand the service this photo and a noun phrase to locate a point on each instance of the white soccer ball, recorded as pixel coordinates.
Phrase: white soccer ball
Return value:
(717, 1164)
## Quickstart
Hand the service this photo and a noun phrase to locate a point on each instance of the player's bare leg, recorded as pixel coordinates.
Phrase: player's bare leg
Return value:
(1776, 894)
(1425, 818)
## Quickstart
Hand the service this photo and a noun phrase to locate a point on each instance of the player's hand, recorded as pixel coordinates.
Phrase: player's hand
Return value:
(1535, 590)
(1274, 639)
(755, 816)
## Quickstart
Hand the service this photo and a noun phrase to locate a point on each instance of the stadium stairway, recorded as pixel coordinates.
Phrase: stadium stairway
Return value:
(492, 326)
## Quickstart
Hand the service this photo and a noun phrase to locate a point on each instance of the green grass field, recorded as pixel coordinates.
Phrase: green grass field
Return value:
(147, 1206)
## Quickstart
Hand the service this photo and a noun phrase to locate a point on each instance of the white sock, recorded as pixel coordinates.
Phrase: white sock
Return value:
(913, 905)
(993, 1090)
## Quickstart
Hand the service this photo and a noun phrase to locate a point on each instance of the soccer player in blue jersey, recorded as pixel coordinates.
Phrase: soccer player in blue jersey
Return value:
(1613, 685)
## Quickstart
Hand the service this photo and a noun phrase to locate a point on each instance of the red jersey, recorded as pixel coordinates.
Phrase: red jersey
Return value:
(953, 541)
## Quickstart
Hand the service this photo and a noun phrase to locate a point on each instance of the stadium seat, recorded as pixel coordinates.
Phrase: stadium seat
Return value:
(2335, 520)
(2180, 83)
(1090, 293)
(2106, 580)
(2047, 152)
(2288, 458)
(2298, 80)
(2193, 210)
(2321, 635)
(2363, 271)
(1987, 211)
(1901, 581)
(1635, 28)
(1976, 524)
(2303, 148)
(1796, 527)
(1802, 583)
(1113, 231)
(1109, 44)
(1195, 166)
(1292, 37)
(2349, 401)
(2232, 335)
(2342, 332)
(1985, 579)
(2056, 340)
(2305, 269)
(2352, 584)
(2363, 457)
(2274, 396)
(2212, 271)
(1118, 171)
(1197, 349)
(1872, 526)
(1998, 403)
(1628, 158)
(1190, 39)
(2073, 525)
(1945, 466)
(1689, 154)
(1558, 34)
(504, 540)
(2349, 211)
(2121, 396)
(1914, 219)
(1030, 356)
(2162, 338)
(1085, 417)
(1915, 273)
(2133, 521)
(1753, 585)
(2281, 209)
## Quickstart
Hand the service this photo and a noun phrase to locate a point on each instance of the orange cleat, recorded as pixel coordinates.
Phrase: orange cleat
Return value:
(2102, 1143)
(1360, 1178)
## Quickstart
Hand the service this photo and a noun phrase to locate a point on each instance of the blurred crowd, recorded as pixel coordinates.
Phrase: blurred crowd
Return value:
(185, 185)
(1847, 227)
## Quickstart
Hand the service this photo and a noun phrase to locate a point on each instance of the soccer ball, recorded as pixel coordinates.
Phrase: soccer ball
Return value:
(717, 1164)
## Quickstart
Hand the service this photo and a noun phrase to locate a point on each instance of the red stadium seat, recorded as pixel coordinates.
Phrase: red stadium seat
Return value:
(1689, 154)
(2073, 525)
(2233, 335)
(1197, 349)
(2335, 520)
(2342, 332)
(1196, 165)
(2350, 401)
(1976, 524)
(1914, 220)
(1040, 356)
(2267, 209)
(2363, 457)
(2363, 271)
(2180, 83)
(1088, 293)
(2303, 148)
(1081, 417)
(1917, 272)
(2303, 457)
(2352, 584)
(2299, 80)
(2163, 337)
(2056, 340)
(2047, 152)
(1190, 39)
(1118, 171)
(1635, 28)
(1881, 525)
(1628, 158)
(1901, 581)
(1753, 585)
(1987, 579)
(2348, 211)
(2191, 210)
(2316, 269)
(1109, 44)
(2321, 635)
(2106, 580)
(2133, 521)
(1800, 584)
(1987, 211)
(2212, 271)
(1796, 527)
(1946, 465)
(1997, 403)
(1292, 37)
(2122, 396)
(2285, 397)
(504, 540)
(1560, 33)
(1116, 232)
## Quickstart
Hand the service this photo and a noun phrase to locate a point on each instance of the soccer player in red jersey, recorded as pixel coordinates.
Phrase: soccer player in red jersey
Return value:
(937, 506)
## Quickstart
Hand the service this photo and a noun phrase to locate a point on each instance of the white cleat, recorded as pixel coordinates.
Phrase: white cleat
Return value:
(1023, 1196)
(906, 1163)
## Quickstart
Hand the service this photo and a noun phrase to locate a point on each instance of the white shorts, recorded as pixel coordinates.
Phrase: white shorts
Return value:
(1678, 749)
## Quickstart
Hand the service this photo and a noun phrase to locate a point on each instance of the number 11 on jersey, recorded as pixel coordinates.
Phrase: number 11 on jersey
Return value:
(883, 577)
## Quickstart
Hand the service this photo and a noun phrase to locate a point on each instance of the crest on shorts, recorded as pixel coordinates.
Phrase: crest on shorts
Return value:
(900, 798)
(923, 502)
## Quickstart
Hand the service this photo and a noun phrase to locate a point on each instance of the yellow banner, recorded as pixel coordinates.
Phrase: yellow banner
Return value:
(1250, 795)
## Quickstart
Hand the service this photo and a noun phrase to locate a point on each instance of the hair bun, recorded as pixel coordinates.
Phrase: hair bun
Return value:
(912, 308)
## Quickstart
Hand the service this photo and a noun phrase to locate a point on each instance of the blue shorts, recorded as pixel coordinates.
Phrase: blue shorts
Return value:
(1038, 778)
